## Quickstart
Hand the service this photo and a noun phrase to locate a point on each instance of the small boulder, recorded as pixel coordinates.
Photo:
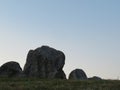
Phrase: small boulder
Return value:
(45, 62)
(10, 69)
(95, 78)
(78, 74)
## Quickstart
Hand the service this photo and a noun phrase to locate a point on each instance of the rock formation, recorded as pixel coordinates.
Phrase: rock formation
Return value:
(45, 62)
(78, 74)
(10, 69)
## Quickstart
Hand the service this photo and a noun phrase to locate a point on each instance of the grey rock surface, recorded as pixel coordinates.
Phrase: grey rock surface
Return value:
(45, 62)
(78, 74)
(10, 69)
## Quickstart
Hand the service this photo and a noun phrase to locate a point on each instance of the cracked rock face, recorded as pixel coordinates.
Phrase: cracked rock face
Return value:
(10, 69)
(45, 62)
(78, 74)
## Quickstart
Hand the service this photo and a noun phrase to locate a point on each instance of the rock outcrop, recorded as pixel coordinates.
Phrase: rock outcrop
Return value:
(10, 69)
(45, 62)
(78, 74)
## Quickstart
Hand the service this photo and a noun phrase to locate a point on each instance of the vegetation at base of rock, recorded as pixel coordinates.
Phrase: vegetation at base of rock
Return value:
(57, 84)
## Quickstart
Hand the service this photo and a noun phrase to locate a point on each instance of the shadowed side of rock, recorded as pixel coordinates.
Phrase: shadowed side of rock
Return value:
(10, 69)
(78, 74)
(45, 62)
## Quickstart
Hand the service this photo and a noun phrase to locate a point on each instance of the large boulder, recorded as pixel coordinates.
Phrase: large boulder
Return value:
(78, 74)
(45, 62)
(10, 69)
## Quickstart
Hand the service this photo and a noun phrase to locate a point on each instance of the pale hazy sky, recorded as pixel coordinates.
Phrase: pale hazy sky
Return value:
(87, 31)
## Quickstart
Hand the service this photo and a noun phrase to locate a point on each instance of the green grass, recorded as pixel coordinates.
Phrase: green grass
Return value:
(42, 84)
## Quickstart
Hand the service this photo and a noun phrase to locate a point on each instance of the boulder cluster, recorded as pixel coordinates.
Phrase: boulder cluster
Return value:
(43, 62)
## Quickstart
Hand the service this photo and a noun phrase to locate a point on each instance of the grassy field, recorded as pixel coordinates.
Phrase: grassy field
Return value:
(42, 84)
